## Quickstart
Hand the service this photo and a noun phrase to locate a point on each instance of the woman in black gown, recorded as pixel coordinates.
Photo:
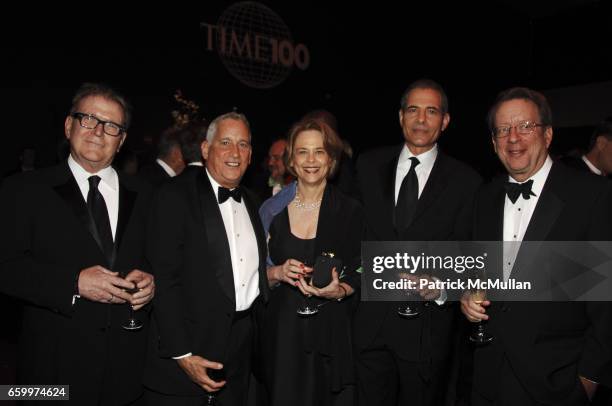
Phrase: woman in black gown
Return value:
(308, 360)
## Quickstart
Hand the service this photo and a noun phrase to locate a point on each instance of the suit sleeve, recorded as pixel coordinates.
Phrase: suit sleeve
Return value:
(465, 219)
(166, 236)
(22, 275)
(596, 360)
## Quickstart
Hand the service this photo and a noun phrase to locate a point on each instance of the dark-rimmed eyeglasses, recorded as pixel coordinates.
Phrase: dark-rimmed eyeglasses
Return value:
(90, 122)
(522, 128)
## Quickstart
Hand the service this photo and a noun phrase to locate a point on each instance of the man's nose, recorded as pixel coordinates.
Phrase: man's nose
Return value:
(421, 116)
(513, 135)
(99, 130)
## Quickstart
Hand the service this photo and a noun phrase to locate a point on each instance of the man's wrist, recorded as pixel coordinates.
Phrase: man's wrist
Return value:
(343, 294)
(76, 295)
(183, 356)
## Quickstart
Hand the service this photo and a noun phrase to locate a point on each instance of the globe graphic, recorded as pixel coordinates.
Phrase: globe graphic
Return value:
(252, 18)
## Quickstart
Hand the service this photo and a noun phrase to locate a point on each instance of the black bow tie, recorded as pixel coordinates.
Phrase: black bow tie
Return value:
(514, 190)
(225, 193)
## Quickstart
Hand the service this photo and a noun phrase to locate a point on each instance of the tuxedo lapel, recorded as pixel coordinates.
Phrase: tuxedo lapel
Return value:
(438, 179)
(68, 190)
(387, 179)
(216, 236)
(547, 210)
(127, 198)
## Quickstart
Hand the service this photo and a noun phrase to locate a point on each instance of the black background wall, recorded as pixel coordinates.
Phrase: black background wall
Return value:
(362, 57)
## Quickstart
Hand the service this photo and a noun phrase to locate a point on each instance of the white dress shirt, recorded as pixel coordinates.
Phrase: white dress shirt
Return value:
(166, 168)
(591, 166)
(423, 169)
(518, 215)
(108, 187)
(244, 251)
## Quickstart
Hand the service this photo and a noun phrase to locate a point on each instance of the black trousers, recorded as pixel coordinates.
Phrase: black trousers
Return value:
(237, 368)
(385, 379)
(511, 392)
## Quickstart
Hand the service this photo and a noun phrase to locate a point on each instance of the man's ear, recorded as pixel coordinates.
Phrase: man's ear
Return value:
(445, 121)
(122, 140)
(548, 136)
(204, 148)
(68, 126)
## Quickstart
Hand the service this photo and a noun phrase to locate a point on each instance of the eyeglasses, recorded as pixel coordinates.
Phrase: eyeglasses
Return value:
(522, 128)
(90, 122)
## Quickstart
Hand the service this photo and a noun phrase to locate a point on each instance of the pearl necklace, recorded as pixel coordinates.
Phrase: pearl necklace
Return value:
(299, 204)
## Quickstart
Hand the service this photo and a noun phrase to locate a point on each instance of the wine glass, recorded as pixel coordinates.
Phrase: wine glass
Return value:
(132, 323)
(478, 293)
(307, 309)
(406, 310)
(216, 375)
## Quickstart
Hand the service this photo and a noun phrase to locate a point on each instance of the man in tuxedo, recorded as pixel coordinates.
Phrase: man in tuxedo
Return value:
(169, 162)
(72, 244)
(266, 183)
(191, 138)
(542, 352)
(209, 248)
(598, 158)
(411, 192)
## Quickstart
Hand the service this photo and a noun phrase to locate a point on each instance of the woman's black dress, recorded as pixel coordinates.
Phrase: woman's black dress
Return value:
(307, 360)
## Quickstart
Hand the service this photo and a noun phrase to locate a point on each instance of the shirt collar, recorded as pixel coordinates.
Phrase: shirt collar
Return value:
(215, 185)
(591, 166)
(539, 178)
(107, 175)
(195, 164)
(426, 159)
(166, 168)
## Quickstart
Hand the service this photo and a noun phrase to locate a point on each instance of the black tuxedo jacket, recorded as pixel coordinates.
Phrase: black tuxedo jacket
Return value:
(575, 162)
(195, 299)
(444, 212)
(154, 174)
(548, 344)
(46, 241)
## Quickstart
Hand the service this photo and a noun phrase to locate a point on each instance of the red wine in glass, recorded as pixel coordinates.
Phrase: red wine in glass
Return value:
(307, 309)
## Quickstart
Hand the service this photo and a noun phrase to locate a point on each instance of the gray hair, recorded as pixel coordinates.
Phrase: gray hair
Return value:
(212, 128)
(103, 90)
(521, 93)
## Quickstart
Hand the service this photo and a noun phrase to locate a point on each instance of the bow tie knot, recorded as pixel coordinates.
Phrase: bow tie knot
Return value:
(225, 193)
(514, 190)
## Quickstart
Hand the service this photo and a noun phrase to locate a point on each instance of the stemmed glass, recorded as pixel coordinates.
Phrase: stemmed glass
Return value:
(478, 293)
(406, 310)
(132, 323)
(307, 309)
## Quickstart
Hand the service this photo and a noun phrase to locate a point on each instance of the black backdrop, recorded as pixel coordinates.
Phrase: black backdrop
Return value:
(362, 56)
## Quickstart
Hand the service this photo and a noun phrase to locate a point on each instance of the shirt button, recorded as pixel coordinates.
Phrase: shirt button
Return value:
(519, 209)
(240, 259)
(514, 236)
(508, 263)
(238, 235)
(243, 285)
